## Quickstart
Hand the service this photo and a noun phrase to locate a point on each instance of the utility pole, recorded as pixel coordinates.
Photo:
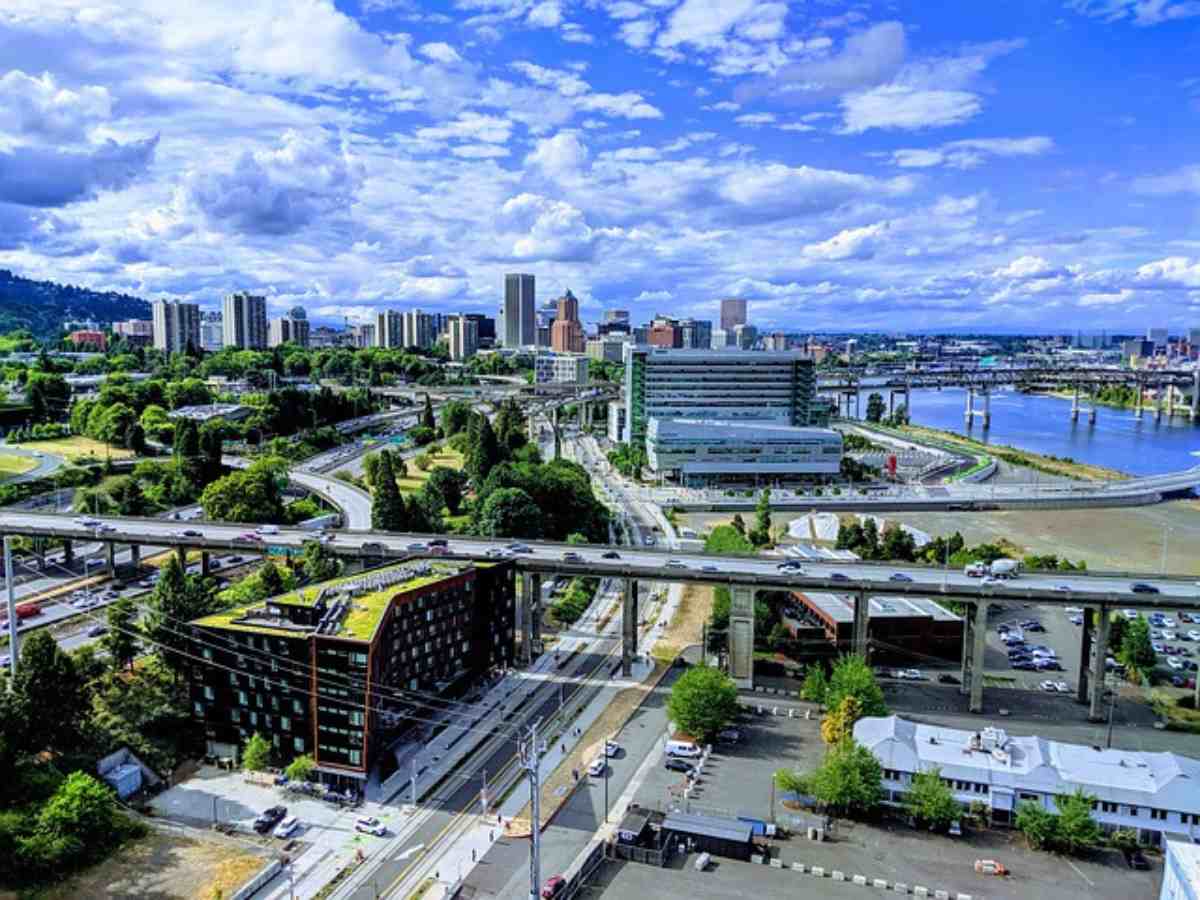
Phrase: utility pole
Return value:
(531, 751)
(414, 781)
(13, 646)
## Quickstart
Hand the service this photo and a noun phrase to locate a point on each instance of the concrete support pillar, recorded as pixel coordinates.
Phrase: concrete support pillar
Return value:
(1099, 656)
(1137, 400)
(987, 408)
(1195, 406)
(68, 552)
(1170, 401)
(110, 558)
(181, 555)
(969, 414)
(1092, 406)
(1085, 648)
(629, 626)
(1158, 404)
(978, 649)
(1075, 405)
(966, 659)
(535, 621)
(135, 555)
(741, 635)
(205, 563)
(530, 615)
(858, 639)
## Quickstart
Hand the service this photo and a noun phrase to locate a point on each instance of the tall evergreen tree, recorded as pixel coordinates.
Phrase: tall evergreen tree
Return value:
(177, 598)
(388, 512)
(427, 418)
(483, 452)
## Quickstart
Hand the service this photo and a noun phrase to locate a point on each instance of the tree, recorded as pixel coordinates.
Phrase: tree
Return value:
(576, 539)
(483, 451)
(703, 700)
(875, 407)
(427, 419)
(50, 693)
(47, 395)
(510, 512)
(82, 811)
(1137, 654)
(300, 768)
(790, 782)
(760, 535)
(1038, 824)
(739, 524)
(838, 724)
(851, 676)
(869, 546)
(318, 563)
(930, 800)
(132, 501)
(727, 539)
(121, 641)
(177, 598)
(456, 417)
(849, 779)
(270, 580)
(256, 754)
(252, 495)
(388, 512)
(1077, 830)
(815, 685)
(447, 484)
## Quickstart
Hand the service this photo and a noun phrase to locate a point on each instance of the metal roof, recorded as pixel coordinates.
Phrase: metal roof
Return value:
(709, 826)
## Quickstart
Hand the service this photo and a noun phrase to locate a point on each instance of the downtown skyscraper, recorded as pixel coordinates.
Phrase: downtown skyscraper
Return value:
(520, 321)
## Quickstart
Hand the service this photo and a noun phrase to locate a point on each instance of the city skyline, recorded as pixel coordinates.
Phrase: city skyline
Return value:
(876, 168)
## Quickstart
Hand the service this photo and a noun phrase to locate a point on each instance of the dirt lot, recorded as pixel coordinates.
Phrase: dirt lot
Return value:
(687, 625)
(165, 865)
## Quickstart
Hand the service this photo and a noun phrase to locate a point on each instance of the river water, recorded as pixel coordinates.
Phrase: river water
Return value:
(1043, 424)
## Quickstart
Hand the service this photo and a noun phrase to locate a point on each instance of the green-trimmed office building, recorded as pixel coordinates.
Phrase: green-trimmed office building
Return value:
(320, 670)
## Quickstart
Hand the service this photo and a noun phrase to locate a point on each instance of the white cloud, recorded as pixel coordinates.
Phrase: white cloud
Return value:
(1111, 298)
(777, 190)
(853, 243)
(1140, 12)
(755, 120)
(627, 105)
(1174, 271)
(634, 154)
(660, 296)
(439, 51)
(480, 151)
(900, 106)
(40, 108)
(569, 84)
(703, 22)
(553, 230)
(970, 153)
(639, 33)
(574, 33)
(560, 156)
(470, 126)
(624, 10)
(917, 159)
(1185, 180)
(723, 106)
(1024, 267)
(547, 14)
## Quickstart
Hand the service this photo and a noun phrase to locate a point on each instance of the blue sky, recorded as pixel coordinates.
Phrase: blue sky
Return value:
(1018, 166)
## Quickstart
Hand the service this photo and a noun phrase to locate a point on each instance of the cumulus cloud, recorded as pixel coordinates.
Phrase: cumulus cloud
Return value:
(562, 155)
(1024, 267)
(469, 126)
(779, 191)
(1140, 12)
(36, 176)
(440, 51)
(41, 108)
(552, 229)
(901, 106)
(852, 243)
(281, 191)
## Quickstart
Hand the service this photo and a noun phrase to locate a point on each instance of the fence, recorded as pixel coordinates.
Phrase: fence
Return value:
(251, 887)
(646, 855)
(576, 883)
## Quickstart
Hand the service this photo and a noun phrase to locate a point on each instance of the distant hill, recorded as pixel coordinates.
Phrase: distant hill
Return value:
(42, 306)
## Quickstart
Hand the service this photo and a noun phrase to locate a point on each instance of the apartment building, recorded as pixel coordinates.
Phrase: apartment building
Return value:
(244, 321)
(176, 325)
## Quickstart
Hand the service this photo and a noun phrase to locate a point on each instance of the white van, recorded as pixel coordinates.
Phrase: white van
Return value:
(267, 529)
(686, 749)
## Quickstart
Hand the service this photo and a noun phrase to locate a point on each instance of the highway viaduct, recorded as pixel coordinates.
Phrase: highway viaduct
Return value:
(1099, 593)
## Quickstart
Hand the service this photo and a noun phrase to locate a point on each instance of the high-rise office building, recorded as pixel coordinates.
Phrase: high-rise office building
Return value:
(721, 385)
(486, 326)
(418, 330)
(744, 336)
(136, 332)
(566, 334)
(389, 329)
(695, 334)
(721, 339)
(287, 330)
(520, 301)
(616, 316)
(176, 326)
(244, 321)
(212, 332)
(733, 313)
(1158, 337)
(363, 334)
(463, 335)
(665, 332)
(777, 341)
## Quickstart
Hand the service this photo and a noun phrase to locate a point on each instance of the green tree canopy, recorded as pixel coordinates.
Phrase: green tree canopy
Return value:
(177, 598)
(1038, 824)
(256, 754)
(727, 539)
(250, 495)
(849, 779)
(1077, 830)
(875, 407)
(51, 694)
(851, 676)
(446, 484)
(703, 701)
(510, 512)
(456, 417)
(388, 512)
(300, 768)
(930, 800)
(760, 535)
(121, 641)
(1136, 652)
(816, 684)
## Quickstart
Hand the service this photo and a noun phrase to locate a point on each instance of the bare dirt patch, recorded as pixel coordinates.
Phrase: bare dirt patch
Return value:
(165, 865)
(687, 625)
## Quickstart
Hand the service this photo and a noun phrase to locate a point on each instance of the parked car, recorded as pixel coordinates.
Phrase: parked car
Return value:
(611, 748)
(1063, 687)
(269, 818)
(729, 735)
(553, 887)
(673, 764)
(1049, 687)
(1135, 859)
(1022, 664)
(597, 766)
(287, 827)
(1175, 664)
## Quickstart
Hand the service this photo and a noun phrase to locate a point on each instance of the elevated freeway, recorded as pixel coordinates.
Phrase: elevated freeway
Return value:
(1100, 592)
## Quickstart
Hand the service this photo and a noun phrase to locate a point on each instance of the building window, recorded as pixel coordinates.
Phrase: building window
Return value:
(208, 692)
(198, 708)
(233, 678)
(1159, 815)
(206, 653)
(1133, 811)
(1109, 807)
(242, 699)
(356, 718)
(296, 707)
(235, 715)
(285, 723)
(1025, 795)
(298, 744)
(356, 757)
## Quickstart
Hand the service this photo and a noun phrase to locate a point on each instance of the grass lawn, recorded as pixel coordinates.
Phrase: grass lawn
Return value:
(15, 465)
(77, 447)
(415, 479)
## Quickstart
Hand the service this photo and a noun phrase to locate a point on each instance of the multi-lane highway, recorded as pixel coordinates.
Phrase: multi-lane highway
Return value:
(650, 563)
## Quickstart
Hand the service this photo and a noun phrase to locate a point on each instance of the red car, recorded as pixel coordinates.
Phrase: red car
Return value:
(553, 887)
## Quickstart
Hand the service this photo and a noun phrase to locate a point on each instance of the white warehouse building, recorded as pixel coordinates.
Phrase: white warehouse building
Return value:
(703, 451)
(1155, 794)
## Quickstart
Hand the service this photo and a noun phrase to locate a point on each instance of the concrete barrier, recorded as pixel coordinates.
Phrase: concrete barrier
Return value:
(797, 867)
(759, 860)
(860, 880)
(837, 875)
(941, 895)
(880, 883)
(965, 897)
(777, 864)
(818, 871)
(900, 887)
(920, 891)
(251, 887)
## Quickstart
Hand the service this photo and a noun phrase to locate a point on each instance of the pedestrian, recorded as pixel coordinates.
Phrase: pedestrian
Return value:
(472, 854)
(564, 749)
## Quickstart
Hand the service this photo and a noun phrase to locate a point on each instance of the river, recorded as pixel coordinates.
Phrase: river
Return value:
(1043, 424)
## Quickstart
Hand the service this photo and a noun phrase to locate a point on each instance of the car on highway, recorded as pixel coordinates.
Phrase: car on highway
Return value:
(269, 818)
(370, 825)
(1129, 614)
(790, 566)
(679, 765)
(287, 827)
(518, 547)
(990, 579)
(438, 542)
(190, 532)
(947, 678)
(97, 630)
(1063, 587)
(372, 547)
(247, 536)
(711, 569)
(1141, 587)
(494, 552)
(417, 547)
(900, 576)
(838, 576)
(571, 556)
(674, 564)
(554, 886)
(610, 554)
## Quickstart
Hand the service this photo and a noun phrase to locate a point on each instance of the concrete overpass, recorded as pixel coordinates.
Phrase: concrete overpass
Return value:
(1099, 592)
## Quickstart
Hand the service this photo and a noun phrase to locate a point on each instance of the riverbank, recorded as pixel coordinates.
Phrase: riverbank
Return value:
(1111, 404)
(1050, 465)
